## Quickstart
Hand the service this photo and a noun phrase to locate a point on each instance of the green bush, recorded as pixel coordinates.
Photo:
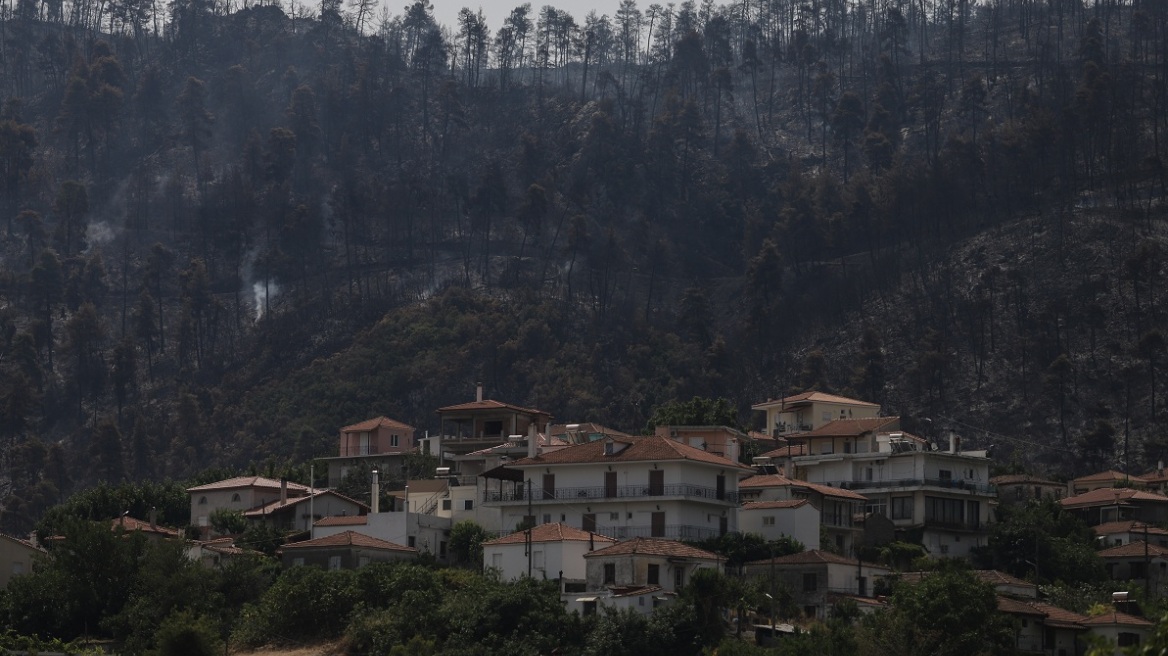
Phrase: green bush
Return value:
(186, 634)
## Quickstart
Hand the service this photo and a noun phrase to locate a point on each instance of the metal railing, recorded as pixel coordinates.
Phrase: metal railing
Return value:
(949, 484)
(669, 531)
(613, 492)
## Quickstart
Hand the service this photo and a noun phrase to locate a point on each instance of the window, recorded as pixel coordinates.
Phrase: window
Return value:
(947, 511)
(826, 446)
(945, 475)
(497, 560)
(588, 522)
(902, 508)
(362, 561)
(609, 573)
(446, 504)
(614, 517)
(334, 562)
(492, 428)
(297, 562)
(412, 542)
(393, 440)
(678, 578)
(235, 498)
(877, 507)
(468, 504)
(768, 521)
(826, 415)
(1128, 639)
(537, 559)
(547, 518)
(589, 608)
(608, 450)
(18, 567)
(202, 501)
(810, 582)
(442, 549)
(654, 576)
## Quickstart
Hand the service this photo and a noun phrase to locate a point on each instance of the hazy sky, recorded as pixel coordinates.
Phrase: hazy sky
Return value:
(446, 11)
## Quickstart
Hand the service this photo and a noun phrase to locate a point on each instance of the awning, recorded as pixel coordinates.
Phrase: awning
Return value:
(504, 473)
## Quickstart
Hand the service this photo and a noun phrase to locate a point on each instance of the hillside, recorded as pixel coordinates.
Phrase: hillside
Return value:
(229, 230)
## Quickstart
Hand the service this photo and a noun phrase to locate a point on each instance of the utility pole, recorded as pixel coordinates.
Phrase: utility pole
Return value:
(530, 520)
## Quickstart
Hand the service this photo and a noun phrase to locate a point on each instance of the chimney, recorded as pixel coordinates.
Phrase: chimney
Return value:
(532, 441)
(478, 391)
(954, 443)
(153, 517)
(375, 495)
(283, 491)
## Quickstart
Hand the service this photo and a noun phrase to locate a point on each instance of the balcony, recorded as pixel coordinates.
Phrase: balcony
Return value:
(602, 492)
(367, 450)
(947, 484)
(670, 531)
(952, 525)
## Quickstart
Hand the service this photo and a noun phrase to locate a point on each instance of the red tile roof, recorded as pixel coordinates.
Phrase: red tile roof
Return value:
(279, 506)
(809, 557)
(1134, 550)
(247, 481)
(788, 451)
(1060, 617)
(375, 423)
(638, 449)
(585, 428)
(769, 505)
(852, 428)
(343, 520)
(1108, 477)
(489, 404)
(556, 532)
(777, 480)
(349, 539)
(1129, 526)
(654, 547)
(24, 543)
(1109, 496)
(812, 397)
(1017, 607)
(634, 590)
(131, 524)
(1115, 617)
(995, 578)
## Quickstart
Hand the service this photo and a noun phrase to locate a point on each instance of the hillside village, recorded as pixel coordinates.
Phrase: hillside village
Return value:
(620, 521)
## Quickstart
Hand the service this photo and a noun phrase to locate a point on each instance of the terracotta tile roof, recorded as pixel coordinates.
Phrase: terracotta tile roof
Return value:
(585, 428)
(654, 547)
(1133, 550)
(777, 480)
(1022, 479)
(247, 481)
(556, 532)
(1060, 617)
(637, 449)
(490, 404)
(634, 590)
(279, 506)
(773, 505)
(788, 451)
(1108, 476)
(1129, 526)
(809, 557)
(131, 524)
(1016, 607)
(811, 397)
(349, 539)
(21, 542)
(852, 428)
(1115, 617)
(1109, 496)
(996, 578)
(225, 546)
(343, 520)
(375, 423)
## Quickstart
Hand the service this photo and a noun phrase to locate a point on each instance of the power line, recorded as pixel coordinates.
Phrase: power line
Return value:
(1009, 438)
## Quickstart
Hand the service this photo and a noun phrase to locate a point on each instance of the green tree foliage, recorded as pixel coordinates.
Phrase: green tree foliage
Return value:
(698, 411)
(466, 543)
(1040, 541)
(228, 522)
(186, 634)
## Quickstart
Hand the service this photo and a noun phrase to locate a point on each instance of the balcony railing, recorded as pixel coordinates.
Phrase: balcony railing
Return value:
(616, 492)
(953, 525)
(960, 486)
(669, 531)
(366, 450)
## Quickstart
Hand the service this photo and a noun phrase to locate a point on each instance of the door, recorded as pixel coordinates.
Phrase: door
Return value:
(657, 527)
(610, 484)
(656, 483)
(549, 486)
(720, 490)
(589, 523)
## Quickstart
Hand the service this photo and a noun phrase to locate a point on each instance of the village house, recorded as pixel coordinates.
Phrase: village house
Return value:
(797, 519)
(483, 423)
(623, 488)
(1105, 480)
(838, 509)
(1138, 562)
(1114, 534)
(344, 550)
(1021, 488)
(426, 533)
(239, 494)
(811, 576)
(299, 513)
(548, 551)
(151, 530)
(1121, 629)
(16, 557)
(640, 574)
(718, 440)
(808, 411)
(380, 443)
(1117, 504)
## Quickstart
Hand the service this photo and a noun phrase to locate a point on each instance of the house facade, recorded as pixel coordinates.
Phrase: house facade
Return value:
(16, 557)
(639, 573)
(1023, 488)
(240, 494)
(810, 410)
(622, 488)
(797, 519)
(299, 513)
(345, 550)
(483, 423)
(379, 443)
(548, 551)
(838, 508)
(813, 576)
(1118, 504)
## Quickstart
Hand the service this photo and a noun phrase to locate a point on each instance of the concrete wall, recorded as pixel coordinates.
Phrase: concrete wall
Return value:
(426, 533)
(800, 523)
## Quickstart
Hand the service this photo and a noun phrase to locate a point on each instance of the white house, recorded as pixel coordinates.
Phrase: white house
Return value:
(547, 551)
(795, 518)
(622, 487)
(426, 533)
(241, 494)
(641, 573)
(810, 410)
(837, 507)
(812, 577)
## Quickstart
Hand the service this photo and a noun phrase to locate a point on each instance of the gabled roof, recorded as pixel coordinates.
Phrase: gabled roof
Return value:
(996, 577)
(654, 547)
(245, 482)
(349, 539)
(23, 543)
(280, 506)
(1115, 617)
(128, 524)
(225, 546)
(1060, 617)
(1110, 496)
(811, 397)
(1129, 526)
(1022, 479)
(557, 532)
(1017, 607)
(490, 404)
(1108, 476)
(777, 480)
(809, 557)
(1134, 550)
(774, 505)
(852, 428)
(375, 423)
(637, 449)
